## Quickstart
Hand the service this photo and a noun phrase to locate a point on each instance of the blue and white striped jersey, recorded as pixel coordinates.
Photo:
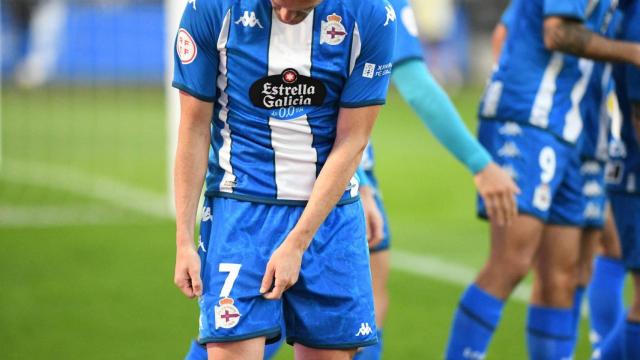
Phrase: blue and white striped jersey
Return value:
(624, 174)
(538, 87)
(277, 88)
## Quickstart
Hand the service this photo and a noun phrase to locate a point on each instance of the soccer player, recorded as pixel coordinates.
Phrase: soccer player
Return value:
(623, 178)
(282, 95)
(530, 121)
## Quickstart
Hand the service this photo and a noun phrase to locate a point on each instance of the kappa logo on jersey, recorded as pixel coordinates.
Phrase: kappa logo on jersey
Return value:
(542, 197)
(364, 330)
(186, 47)
(227, 315)
(332, 30)
(249, 19)
(391, 15)
(193, 4)
(287, 89)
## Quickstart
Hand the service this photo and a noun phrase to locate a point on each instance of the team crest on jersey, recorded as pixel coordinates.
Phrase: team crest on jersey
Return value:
(186, 47)
(286, 90)
(332, 30)
(226, 314)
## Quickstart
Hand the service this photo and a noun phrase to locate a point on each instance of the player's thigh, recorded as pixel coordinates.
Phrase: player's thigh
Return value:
(250, 349)
(559, 251)
(380, 265)
(385, 244)
(306, 353)
(516, 245)
(236, 241)
(610, 243)
(331, 305)
(626, 211)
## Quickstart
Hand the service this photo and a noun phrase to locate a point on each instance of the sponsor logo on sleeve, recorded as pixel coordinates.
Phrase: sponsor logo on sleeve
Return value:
(186, 47)
(286, 90)
(332, 30)
(372, 70)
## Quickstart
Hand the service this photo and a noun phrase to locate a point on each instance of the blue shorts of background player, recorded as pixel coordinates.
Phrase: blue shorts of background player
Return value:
(331, 305)
(545, 168)
(626, 211)
(385, 244)
(594, 193)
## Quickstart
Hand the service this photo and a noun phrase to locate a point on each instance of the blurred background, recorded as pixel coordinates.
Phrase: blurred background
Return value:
(86, 233)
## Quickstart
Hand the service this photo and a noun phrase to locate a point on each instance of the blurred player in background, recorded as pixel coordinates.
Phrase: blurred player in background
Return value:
(623, 179)
(41, 22)
(531, 121)
(283, 96)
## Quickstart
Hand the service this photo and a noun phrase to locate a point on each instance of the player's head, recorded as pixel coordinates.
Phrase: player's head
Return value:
(293, 11)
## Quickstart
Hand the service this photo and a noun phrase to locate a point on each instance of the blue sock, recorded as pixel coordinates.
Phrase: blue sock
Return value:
(612, 346)
(549, 333)
(577, 314)
(632, 340)
(474, 322)
(373, 352)
(196, 352)
(606, 304)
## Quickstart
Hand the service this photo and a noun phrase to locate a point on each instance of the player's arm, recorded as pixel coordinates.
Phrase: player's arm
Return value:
(498, 38)
(352, 135)
(571, 36)
(190, 168)
(433, 106)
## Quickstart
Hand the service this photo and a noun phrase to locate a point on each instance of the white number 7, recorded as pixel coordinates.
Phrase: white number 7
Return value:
(233, 270)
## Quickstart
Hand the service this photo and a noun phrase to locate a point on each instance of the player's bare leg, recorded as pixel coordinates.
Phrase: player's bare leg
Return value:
(380, 264)
(250, 349)
(589, 246)
(513, 249)
(634, 310)
(306, 353)
(610, 241)
(556, 269)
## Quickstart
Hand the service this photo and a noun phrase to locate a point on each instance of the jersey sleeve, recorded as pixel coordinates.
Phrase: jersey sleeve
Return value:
(573, 9)
(195, 53)
(372, 52)
(408, 46)
(632, 33)
(508, 16)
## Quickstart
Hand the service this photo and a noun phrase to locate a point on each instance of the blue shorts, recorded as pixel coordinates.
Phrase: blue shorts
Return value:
(385, 244)
(546, 169)
(626, 211)
(331, 305)
(594, 194)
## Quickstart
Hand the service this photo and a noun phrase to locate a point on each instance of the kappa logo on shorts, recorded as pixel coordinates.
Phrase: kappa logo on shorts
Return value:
(510, 129)
(590, 168)
(227, 315)
(471, 354)
(364, 330)
(509, 150)
(592, 189)
(592, 211)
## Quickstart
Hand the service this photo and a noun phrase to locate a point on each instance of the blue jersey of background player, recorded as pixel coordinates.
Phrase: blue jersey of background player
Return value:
(624, 192)
(530, 122)
(284, 94)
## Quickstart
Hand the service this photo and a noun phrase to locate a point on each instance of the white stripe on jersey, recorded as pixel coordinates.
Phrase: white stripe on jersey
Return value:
(544, 98)
(292, 140)
(573, 121)
(356, 47)
(602, 147)
(224, 154)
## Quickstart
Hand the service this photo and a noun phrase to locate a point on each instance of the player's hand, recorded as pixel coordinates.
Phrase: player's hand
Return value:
(187, 275)
(498, 190)
(282, 270)
(373, 217)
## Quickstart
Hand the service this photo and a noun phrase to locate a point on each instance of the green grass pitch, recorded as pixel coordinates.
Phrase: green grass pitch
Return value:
(83, 277)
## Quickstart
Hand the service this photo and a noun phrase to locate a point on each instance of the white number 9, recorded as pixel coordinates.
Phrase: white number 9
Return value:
(547, 162)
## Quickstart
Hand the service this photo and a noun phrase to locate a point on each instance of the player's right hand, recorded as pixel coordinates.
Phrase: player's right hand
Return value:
(187, 273)
(498, 191)
(373, 217)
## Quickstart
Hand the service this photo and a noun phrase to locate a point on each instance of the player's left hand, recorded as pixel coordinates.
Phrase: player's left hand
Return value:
(373, 217)
(282, 269)
(498, 191)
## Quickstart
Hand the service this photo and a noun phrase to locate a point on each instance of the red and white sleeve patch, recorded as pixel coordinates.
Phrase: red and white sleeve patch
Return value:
(186, 47)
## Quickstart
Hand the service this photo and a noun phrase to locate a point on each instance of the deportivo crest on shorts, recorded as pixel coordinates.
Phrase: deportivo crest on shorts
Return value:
(186, 47)
(227, 315)
(332, 30)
